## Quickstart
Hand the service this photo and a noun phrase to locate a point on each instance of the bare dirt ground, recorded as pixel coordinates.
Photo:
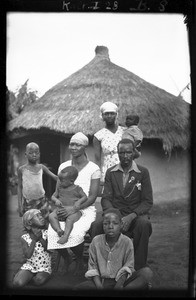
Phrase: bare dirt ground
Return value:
(168, 250)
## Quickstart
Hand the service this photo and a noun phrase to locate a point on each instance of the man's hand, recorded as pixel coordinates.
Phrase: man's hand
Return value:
(127, 221)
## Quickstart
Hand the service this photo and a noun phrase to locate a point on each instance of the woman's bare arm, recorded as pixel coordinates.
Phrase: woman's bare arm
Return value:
(97, 151)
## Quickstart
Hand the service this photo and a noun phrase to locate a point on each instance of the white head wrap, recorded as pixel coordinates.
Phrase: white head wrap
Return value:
(108, 107)
(79, 138)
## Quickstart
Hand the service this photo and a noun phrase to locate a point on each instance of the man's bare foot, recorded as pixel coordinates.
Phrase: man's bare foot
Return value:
(63, 239)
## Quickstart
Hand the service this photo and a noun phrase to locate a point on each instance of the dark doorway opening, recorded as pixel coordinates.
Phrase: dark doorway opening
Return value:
(50, 156)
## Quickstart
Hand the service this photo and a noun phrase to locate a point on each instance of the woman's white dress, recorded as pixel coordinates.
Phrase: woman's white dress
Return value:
(90, 171)
(109, 153)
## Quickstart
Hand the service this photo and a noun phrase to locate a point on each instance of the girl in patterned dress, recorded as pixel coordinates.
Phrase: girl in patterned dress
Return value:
(37, 267)
(105, 140)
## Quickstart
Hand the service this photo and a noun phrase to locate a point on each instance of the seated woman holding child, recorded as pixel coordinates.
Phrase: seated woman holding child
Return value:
(88, 179)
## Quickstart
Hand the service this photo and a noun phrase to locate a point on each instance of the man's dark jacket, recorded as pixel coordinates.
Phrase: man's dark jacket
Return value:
(137, 195)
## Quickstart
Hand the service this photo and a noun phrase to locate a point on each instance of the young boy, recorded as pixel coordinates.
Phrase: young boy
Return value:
(66, 194)
(111, 259)
(31, 193)
(135, 132)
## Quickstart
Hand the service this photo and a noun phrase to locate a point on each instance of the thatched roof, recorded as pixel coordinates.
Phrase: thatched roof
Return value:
(73, 104)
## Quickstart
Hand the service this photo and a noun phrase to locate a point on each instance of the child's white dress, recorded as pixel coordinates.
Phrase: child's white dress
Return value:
(40, 261)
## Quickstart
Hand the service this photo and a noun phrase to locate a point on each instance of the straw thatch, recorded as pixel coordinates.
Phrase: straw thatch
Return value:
(73, 104)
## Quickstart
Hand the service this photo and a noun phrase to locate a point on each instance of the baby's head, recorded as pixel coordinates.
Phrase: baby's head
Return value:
(112, 222)
(132, 120)
(68, 175)
(33, 218)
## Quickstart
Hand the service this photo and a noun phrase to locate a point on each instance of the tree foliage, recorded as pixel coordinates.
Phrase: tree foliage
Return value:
(18, 101)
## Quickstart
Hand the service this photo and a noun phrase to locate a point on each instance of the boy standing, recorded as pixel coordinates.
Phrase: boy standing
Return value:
(111, 259)
(66, 194)
(31, 193)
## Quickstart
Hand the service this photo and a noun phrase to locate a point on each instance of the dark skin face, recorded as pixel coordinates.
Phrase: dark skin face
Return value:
(38, 221)
(112, 226)
(125, 153)
(130, 121)
(65, 181)
(32, 153)
(109, 118)
(76, 149)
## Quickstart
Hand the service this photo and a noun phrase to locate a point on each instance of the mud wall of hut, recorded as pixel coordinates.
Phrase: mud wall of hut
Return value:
(170, 176)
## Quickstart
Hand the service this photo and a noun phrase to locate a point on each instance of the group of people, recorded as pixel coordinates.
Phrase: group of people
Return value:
(119, 233)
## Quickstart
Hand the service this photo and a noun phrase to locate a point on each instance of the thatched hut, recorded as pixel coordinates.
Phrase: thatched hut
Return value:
(73, 105)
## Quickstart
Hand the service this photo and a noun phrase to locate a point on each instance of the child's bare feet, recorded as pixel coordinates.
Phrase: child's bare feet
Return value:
(63, 239)
(60, 232)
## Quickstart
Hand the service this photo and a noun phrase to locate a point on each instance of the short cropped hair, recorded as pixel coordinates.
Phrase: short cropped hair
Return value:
(70, 171)
(32, 144)
(126, 141)
(113, 211)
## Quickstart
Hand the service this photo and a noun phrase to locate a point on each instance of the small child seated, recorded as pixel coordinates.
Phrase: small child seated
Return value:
(66, 194)
(37, 266)
(133, 131)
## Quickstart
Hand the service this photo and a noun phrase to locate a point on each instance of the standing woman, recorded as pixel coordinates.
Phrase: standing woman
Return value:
(105, 140)
(89, 180)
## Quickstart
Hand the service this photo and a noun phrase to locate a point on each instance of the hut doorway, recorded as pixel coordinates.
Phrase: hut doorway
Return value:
(50, 156)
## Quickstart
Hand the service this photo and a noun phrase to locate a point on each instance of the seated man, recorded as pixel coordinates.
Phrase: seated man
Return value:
(128, 188)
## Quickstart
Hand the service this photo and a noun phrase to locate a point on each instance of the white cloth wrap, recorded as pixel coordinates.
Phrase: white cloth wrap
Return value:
(90, 171)
(78, 232)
